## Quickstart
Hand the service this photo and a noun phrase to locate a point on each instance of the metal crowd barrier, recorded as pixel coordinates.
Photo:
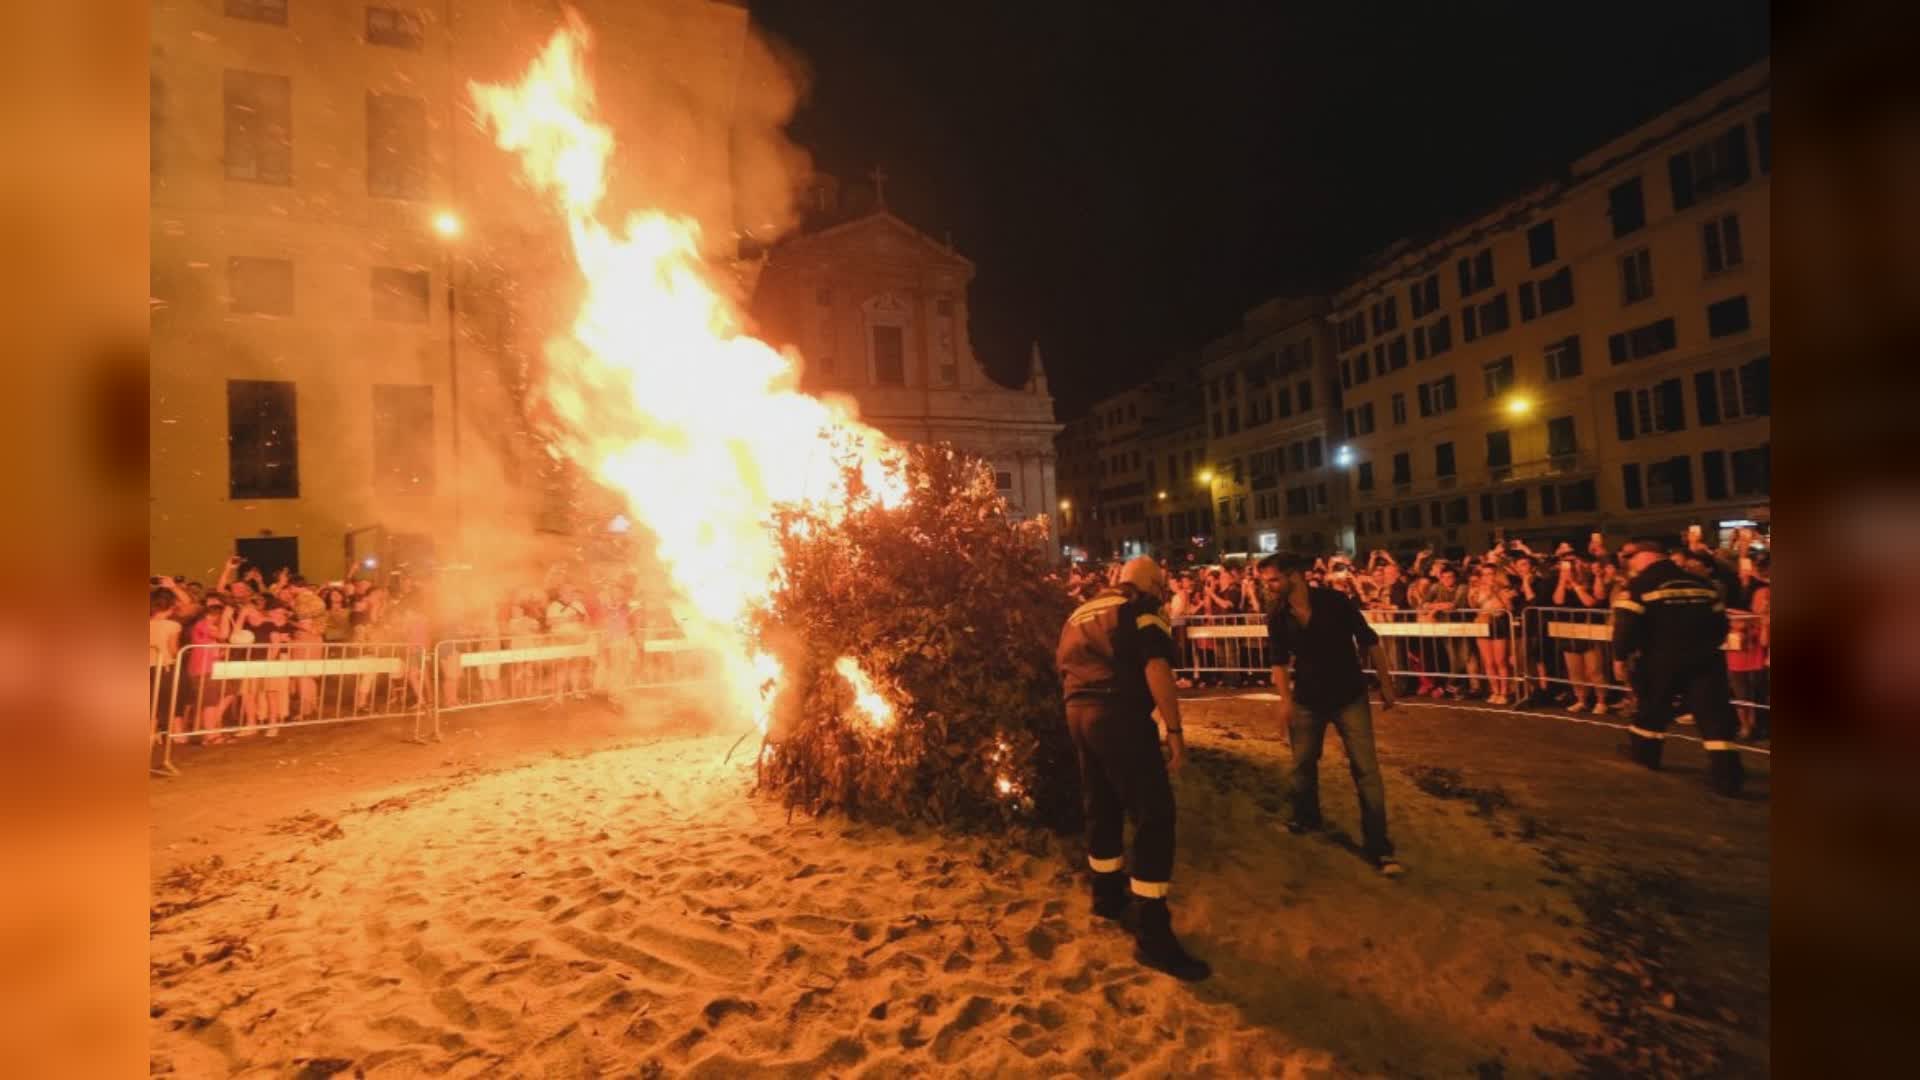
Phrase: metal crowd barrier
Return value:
(1221, 645)
(494, 669)
(239, 691)
(1573, 647)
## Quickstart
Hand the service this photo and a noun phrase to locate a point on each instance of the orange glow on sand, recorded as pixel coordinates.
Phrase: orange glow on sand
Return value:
(660, 395)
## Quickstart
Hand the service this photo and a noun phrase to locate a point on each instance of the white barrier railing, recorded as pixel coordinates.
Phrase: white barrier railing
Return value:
(221, 692)
(478, 672)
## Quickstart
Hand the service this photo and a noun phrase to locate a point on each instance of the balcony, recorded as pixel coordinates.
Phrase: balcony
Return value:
(1574, 464)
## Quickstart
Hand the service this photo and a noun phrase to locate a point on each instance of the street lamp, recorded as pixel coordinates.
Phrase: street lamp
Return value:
(1066, 505)
(1519, 405)
(1163, 496)
(1206, 477)
(447, 224)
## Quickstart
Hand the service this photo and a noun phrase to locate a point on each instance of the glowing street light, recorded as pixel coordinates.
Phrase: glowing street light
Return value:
(1206, 476)
(447, 224)
(1518, 405)
(1163, 496)
(1066, 505)
(1343, 456)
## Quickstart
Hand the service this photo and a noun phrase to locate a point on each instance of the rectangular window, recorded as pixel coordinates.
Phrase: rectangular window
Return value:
(1563, 359)
(1397, 353)
(259, 127)
(1499, 450)
(1556, 291)
(266, 11)
(1419, 343)
(1753, 470)
(1423, 296)
(394, 27)
(1630, 486)
(400, 295)
(1721, 239)
(1670, 482)
(1366, 476)
(1297, 455)
(1403, 468)
(1366, 420)
(1476, 272)
(1756, 386)
(1399, 409)
(1316, 450)
(1494, 316)
(1443, 459)
(1362, 370)
(403, 440)
(1233, 420)
(1728, 316)
(1541, 249)
(259, 286)
(1498, 376)
(1283, 402)
(1346, 373)
(396, 147)
(1306, 396)
(890, 358)
(1640, 342)
(1709, 168)
(262, 440)
(1440, 335)
(1636, 276)
(1560, 437)
(1528, 308)
(1626, 207)
(1410, 515)
(1469, 324)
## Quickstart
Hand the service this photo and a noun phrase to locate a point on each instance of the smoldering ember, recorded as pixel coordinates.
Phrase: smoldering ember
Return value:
(733, 539)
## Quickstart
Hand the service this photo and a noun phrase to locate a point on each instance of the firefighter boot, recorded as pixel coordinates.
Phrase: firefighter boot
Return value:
(1156, 947)
(1643, 751)
(1110, 894)
(1725, 774)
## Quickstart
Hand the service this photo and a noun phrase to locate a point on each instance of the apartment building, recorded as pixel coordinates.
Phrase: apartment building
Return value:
(1592, 356)
(350, 287)
(1180, 521)
(1272, 474)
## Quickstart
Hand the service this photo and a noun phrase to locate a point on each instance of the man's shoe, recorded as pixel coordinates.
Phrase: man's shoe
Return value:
(1389, 866)
(1110, 896)
(1157, 948)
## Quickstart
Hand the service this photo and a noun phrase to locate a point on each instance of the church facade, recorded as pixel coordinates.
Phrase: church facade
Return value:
(878, 312)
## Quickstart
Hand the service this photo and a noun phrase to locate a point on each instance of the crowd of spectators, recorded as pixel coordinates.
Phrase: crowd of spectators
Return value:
(245, 615)
(1516, 663)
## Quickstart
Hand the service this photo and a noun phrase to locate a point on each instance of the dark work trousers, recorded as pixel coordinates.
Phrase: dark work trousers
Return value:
(1306, 734)
(1704, 691)
(1123, 774)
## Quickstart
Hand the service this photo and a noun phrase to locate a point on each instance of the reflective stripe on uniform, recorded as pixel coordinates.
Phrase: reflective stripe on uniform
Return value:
(1094, 607)
(1151, 620)
(1717, 744)
(1107, 866)
(1152, 890)
(1681, 592)
(1625, 604)
(1644, 733)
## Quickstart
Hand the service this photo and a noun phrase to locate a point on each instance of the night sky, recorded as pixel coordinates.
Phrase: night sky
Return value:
(1129, 178)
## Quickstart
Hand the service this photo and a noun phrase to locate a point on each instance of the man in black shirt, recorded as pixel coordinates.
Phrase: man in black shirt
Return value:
(1318, 634)
(1116, 665)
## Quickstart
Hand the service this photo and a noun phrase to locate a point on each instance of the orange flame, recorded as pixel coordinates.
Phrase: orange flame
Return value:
(865, 698)
(661, 396)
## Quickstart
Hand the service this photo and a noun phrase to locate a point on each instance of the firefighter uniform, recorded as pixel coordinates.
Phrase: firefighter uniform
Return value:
(1102, 658)
(1669, 626)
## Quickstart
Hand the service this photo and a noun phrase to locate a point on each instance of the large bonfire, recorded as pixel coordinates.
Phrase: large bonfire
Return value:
(752, 490)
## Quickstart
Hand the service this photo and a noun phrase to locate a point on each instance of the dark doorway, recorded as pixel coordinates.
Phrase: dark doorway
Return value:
(270, 553)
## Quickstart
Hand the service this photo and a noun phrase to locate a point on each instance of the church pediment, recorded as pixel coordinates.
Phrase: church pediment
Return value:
(875, 236)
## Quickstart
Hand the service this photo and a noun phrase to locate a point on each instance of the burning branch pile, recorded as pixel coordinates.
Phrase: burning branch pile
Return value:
(917, 643)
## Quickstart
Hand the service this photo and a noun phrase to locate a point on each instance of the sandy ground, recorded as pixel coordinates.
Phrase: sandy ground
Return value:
(579, 893)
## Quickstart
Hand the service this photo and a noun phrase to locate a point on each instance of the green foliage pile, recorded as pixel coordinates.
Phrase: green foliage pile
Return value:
(953, 610)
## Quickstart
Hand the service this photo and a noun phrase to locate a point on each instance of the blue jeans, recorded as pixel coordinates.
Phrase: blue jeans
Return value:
(1306, 734)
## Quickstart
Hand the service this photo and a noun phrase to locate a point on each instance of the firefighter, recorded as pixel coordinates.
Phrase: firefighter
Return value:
(1668, 626)
(1116, 665)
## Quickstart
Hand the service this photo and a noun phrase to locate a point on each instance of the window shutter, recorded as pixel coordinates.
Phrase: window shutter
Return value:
(1680, 174)
(1630, 479)
(1706, 394)
(1756, 386)
(1682, 468)
(1623, 413)
(1617, 348)
(1486, 508)
(1735, 151)
(1549, 500)
(1670, 413)
(1713, 464)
